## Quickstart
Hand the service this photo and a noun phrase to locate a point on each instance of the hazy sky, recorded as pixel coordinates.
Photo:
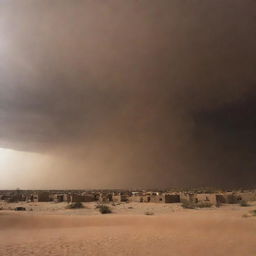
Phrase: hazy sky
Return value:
(126, 94)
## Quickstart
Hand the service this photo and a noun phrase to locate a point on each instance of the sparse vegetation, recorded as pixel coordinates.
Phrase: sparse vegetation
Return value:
(204, 205)
(244, 203)
(188, 204)
(149, 213)
(104, 209)
(232, 199)
(20, 208)
(192, 205)
(75, 205)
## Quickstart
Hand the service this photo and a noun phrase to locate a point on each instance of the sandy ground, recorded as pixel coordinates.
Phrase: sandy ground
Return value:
(52, 230)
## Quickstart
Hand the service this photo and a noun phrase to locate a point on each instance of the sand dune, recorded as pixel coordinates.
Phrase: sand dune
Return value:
(191, 233)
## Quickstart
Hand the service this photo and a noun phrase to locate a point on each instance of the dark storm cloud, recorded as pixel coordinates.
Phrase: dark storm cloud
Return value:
(150, 93)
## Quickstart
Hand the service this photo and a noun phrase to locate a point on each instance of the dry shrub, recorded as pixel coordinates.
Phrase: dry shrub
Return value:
(232, 199)
(104, 209)
(75, 205)
(20, 208)
(244, 203)
(188, 204)
(204, 205)
(192, 205)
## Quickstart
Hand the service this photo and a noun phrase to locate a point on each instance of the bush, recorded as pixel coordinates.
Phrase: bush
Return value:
(188, 204)
(75, 205)
(192, 205)
(19, 208)
(232, 199)
(204, 205)
(244, 203)
(149, 213)
(104, 209)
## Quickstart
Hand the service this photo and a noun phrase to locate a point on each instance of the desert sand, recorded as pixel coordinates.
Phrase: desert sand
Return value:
(49, 229)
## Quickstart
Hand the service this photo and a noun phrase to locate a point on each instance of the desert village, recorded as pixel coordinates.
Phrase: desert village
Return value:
(166, 223)
(108, 196)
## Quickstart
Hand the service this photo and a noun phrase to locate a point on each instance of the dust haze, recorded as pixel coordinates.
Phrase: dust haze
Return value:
(129, 93)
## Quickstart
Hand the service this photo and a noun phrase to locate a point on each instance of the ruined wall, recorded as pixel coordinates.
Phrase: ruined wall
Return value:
(172, 198)
(82, 198)
(120, 198)
(157, 198)
(136, 198)
(205, 197)
(41, 197)
(188, 196)
(248, 196)
(105, 198)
